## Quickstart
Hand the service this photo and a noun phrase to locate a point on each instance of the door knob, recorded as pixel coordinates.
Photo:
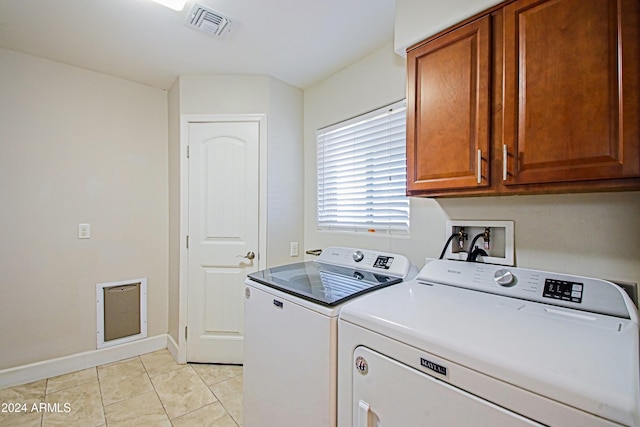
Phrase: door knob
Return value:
(249, 255)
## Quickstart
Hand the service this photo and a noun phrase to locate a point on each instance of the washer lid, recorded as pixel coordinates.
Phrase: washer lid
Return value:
(586, 360)
(322, 283)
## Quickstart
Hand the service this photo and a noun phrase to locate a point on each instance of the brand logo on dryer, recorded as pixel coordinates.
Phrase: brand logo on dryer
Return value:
(362, 366)
(442, 370)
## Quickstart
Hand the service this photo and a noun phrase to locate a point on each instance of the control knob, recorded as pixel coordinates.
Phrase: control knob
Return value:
(358, 256)
(504, 277)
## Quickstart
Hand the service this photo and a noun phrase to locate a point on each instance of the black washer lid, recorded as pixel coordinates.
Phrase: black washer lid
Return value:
(322, 283)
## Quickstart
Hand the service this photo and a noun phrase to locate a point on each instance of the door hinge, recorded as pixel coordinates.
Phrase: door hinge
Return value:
(187, 242)
(186, 328)
(187, 151)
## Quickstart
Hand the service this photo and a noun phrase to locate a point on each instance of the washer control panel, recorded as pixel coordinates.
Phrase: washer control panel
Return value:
(582, 293)
(362, 259)
(383, 262)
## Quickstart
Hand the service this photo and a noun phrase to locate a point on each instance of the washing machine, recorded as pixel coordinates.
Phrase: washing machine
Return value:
(291, 329)
(471, 344)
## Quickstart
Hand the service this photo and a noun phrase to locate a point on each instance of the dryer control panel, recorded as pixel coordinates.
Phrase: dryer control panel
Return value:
(581, 293)
(564, 290)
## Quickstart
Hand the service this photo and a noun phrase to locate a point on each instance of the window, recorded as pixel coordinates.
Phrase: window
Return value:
(362, 174)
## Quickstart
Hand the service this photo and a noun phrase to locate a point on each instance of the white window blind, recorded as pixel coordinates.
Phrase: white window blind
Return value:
(362, 173)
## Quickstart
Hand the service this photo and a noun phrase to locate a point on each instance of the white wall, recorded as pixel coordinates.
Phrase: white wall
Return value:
(285, 173)
(588, 234)
(224, 94)
(76, 147)
(173, 100)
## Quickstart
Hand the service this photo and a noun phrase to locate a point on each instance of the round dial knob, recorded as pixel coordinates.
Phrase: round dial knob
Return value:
(358, 256)
(504, 277)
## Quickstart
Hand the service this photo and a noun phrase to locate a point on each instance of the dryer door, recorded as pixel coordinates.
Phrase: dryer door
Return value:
(387, 393)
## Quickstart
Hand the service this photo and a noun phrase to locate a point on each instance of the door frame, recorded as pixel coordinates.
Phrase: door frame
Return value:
(185, 120)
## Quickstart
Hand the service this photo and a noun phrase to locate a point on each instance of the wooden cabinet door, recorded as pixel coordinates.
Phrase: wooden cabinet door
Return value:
(448, 111)
(570, 91)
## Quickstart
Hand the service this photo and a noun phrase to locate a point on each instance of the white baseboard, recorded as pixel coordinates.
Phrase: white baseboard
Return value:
(172, 346)
(75, 362)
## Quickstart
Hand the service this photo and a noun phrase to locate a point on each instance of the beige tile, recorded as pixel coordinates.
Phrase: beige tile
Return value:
(143, 410)
(20, 400)
(121, 369)
(159, 362)
(182, 391)
(131, 396)
(229, 393)
(116, 389)
(77, 406)
(213, 374)
(212, 415)
(34, 390)
(22, 419)
(73, 379)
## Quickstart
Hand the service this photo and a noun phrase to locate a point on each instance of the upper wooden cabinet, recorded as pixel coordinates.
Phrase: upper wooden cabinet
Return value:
(448, 110)
(547, 90)
(564, 95)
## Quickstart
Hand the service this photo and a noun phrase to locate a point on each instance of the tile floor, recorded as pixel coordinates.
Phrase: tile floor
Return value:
(149, 390)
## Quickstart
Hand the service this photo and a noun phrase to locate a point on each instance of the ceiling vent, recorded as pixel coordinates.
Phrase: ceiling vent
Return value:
(209, 21)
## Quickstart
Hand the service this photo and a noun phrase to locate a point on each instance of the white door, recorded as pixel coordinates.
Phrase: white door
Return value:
(387, 393)
(223, 236)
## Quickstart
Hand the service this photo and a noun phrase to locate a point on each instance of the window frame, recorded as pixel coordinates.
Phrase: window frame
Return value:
(367, 210)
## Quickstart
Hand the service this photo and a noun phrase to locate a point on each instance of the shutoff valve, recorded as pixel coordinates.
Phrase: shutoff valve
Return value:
(486, 236)
(462, 236)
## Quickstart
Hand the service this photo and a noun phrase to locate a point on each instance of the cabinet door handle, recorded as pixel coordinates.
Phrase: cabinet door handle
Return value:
(505, 157)
(479, 166)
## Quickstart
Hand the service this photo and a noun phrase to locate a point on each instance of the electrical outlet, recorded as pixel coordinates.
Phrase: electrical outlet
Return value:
(84, 231)
(294, 249)
(500, 246)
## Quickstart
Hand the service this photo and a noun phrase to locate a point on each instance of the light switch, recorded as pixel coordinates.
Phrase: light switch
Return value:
(84, 231)
(293, 250)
